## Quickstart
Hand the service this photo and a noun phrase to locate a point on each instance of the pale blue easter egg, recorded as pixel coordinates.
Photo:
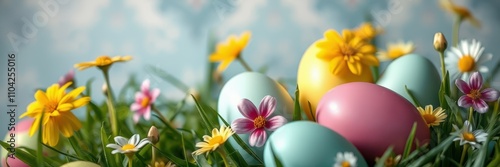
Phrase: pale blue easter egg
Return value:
(305, 143)
(252, 86)
(418, 74)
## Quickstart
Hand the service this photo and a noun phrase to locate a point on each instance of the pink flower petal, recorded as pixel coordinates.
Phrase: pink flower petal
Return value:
(248, 109)
(489, 95)
(135, 107)
(465, 101)
(145, 86)
(258, 138)
(139, 96)
(136, 117)
(154, 94)
(476, 81)
(480, 106)
(147, 113)
(275, 122)
(267, 106)
(462, 86)
(242, 125)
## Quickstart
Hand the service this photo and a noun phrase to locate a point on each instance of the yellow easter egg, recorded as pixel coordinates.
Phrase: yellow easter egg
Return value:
(314, 79)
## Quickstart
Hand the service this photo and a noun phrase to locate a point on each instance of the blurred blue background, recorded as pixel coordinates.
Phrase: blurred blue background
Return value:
(173, 35)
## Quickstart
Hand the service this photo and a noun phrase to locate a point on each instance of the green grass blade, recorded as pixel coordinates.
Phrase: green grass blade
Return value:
(296, 111)
(167, 77)
(409, 141)
(381, 161)
(413, 98)
(108, 158)
(424, 159)
(277, 161)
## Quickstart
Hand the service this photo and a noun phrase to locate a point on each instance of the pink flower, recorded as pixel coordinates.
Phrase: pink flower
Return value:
(68, 77)
(143, 101)
(473, 96)
(256, 122)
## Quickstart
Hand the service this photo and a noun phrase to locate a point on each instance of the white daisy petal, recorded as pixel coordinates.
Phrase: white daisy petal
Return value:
(121, 140)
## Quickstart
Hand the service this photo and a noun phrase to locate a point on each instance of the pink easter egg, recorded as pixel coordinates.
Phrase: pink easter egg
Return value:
(21, 137)
(371, 117)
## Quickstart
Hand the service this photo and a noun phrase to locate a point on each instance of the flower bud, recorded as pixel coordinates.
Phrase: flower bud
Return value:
(104, 89)
(153, 135)
(440, 42)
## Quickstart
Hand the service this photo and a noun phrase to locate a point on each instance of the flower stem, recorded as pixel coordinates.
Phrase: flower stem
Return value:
(109, 101)
(130, 159)
(159, 113)
(471, 110)
(443, 67)
(244, 63)
(464, 151)
(153, 156)
(456, 29)
(227, 161)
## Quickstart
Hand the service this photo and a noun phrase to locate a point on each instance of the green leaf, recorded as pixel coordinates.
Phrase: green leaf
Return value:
(63, 153)
(387, 153)
(409, 141)
(169, 78)
(296, 111)
(311, 111)
(413, 98)
(28, 156)
(39, 153)
(109, 160)
(425, 158)
(207, 123)
(455, 110)
(444, 90)
(173, 158)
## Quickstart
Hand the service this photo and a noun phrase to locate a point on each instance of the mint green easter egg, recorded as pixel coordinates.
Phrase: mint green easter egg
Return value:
(418, 74)
(305, 143)
(252, 86)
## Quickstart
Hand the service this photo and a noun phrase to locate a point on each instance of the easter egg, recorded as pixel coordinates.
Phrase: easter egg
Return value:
(314, 79)
(80, 163)
(418, 74)
(254, 87)
(306, 143)
(371, 117)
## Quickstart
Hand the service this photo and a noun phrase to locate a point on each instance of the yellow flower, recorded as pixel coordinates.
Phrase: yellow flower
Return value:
(231, 49)
(432, 117)
(102, 62)
(56, 105)
(211, 143)
(366, 31)
(347, 53)
(395, 50)
(460, 11)
(162, 164)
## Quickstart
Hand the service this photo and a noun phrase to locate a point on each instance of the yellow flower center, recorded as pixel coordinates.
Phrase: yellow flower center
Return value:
(145, 102)
(103, 61)
(259, 122)
(128, 147)
(474, 94)
(395, 53)
(215, 140)
(469, 136)
(51, 106)
(346, 164)
(466, 64)
(347, 51)
(429, 118)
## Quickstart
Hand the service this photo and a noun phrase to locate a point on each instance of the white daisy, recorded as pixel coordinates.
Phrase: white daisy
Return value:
(464, 59)
(396, 50)
(126, 146)
(467, 136)
(346, 159)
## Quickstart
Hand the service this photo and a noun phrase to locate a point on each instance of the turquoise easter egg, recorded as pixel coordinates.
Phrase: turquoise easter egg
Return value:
(254, 87)
(418, 74)
(305, 143)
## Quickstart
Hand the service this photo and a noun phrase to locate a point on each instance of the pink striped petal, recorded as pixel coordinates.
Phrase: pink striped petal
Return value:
(258, 138)
(154, 94)
(136, 117)
(139, 96)
(145, 85)
(267, 106)
(480, 106)
(275, 122)
(489, 94)
(462, 86)
(135, 107)
(248, 109)
(465, 101)
(476, 81)
(147, 113)
(242, 126)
